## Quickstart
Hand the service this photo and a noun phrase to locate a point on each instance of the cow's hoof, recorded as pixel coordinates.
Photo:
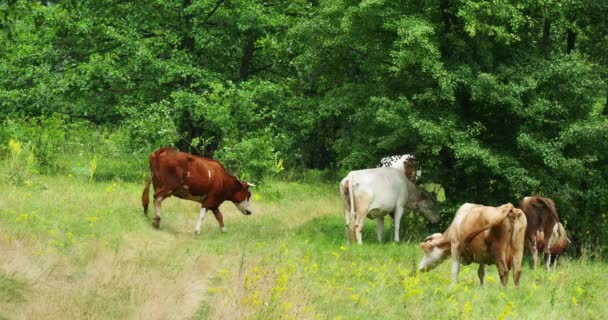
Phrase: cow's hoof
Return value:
(156, 223)
(196, 233)
(224, 229)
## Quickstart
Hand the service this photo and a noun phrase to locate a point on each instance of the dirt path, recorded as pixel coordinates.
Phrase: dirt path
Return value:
(150, 277)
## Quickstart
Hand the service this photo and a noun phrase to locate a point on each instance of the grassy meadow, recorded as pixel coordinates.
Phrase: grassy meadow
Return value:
(78, 248)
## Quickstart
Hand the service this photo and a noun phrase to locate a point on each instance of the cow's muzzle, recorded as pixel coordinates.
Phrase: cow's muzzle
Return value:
(248, 212)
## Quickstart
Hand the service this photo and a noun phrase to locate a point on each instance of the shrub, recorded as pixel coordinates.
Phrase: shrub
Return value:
(20, 164)
(251, 158)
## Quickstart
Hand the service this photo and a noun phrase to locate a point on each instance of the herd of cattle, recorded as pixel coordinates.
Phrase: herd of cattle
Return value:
(482, 234)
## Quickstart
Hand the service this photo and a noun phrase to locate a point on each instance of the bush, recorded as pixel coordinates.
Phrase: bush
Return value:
(251, 159)
(20, 164)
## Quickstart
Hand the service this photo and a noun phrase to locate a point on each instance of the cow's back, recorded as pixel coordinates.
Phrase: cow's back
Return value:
(168, 166)
(186, 173)
(385, 188)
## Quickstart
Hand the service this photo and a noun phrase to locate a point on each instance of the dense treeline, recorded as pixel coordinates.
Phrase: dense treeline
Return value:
(498, 99)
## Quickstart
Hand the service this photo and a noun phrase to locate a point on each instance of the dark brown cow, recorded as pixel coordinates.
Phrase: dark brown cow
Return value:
(541, 214)
(193, 178)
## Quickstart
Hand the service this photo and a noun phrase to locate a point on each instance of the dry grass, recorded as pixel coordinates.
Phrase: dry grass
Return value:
(146, 279)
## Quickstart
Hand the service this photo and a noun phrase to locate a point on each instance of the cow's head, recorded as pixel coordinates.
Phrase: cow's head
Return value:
(436, 249)
(242, 197)
(426, 206)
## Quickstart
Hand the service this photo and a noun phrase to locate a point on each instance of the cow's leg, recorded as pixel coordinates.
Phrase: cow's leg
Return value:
(517, 260)
(220, 218)
(455, 262)
(157, 202)
(160, 194)
(397, 221)
(534, 251)
(361, 206)
(380, 228)
(503, 272)
(548, 262)
(481, 272)
(359, 228)
(347, 219)
(199, 221)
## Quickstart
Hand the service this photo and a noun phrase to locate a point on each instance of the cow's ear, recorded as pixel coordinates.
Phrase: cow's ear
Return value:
(426, 246)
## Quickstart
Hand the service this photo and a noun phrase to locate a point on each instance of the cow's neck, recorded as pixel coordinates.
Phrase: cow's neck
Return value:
(232, 184)
(414, 193)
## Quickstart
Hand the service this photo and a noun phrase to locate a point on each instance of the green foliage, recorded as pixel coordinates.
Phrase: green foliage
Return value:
(20, 163)
(250, 159)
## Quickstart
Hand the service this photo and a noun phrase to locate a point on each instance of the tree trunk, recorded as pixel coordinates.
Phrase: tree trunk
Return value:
(247, 56)
(546, 42)
(571, 40)
(187, 40)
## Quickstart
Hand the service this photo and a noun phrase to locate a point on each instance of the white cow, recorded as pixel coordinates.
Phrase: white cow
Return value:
(378, 192)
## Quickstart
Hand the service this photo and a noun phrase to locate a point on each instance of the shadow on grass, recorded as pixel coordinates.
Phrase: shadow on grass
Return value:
(331, 230)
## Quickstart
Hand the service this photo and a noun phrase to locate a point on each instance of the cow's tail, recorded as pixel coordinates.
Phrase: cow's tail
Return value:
(351, 198)
(551, 206)
(145, 197)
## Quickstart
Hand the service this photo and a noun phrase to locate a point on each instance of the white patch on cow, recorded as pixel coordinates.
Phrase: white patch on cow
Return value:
(201, 216)
(394, 161)
(244, 206)
(398, 162)
(209, 173)
(461, 213)
(186, 186)
(432, 259)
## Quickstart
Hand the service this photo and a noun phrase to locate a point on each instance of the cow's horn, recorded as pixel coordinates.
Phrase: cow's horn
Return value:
(250, 184)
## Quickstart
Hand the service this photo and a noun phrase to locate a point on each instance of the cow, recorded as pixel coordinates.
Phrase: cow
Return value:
(481, 234)
(195, 178)
(542, 217)
(376, 192)
(406, 162)
(557, 243)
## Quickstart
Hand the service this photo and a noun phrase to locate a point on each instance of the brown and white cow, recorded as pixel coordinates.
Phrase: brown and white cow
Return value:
(557, 243)
(481, 234)
(193, 178)
(541, 214)
(376, 192)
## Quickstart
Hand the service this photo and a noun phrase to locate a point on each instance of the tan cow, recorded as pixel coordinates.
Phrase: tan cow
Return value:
(482, 234)
(541, 214)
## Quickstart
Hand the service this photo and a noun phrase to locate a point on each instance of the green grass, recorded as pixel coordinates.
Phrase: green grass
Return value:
(73, 247)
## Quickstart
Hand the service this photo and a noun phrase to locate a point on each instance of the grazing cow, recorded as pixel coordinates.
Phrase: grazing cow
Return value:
(542, 217)
(557, 243)
(374, 193)
(481, 234)
(194, 178)
(407, 163)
